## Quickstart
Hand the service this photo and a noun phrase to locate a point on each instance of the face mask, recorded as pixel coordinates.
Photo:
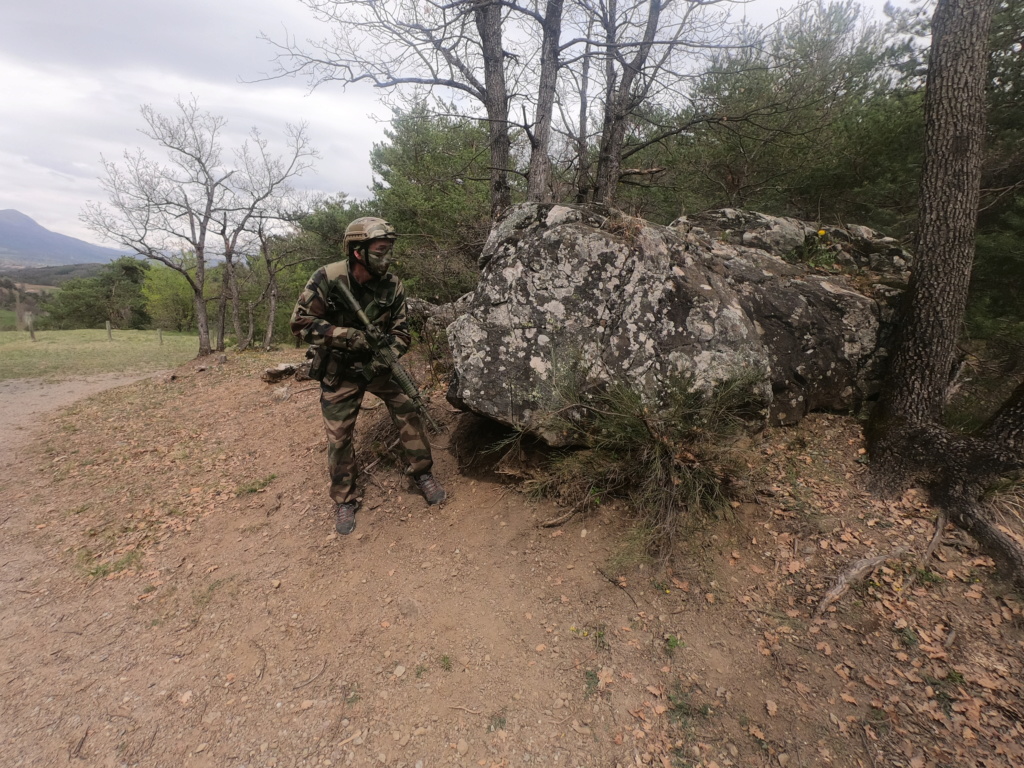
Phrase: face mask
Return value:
(376, 263)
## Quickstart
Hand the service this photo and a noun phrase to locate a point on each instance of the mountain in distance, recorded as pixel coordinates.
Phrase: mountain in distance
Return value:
(24, 243)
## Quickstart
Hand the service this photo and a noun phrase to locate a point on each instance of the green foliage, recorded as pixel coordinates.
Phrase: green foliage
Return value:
(817, 250)
(114, 295)
(87, 562)
(773, 106)
(672, 643)
(326, 223)
(682, 707)
(432, 184)
(999, 265)
(673, 461)
(169, 299)
(256, 486)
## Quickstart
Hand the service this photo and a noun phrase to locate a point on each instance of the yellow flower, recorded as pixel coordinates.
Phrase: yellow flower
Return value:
(821, 233)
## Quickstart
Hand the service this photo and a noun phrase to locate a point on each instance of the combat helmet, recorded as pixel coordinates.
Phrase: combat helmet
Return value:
(368, 228)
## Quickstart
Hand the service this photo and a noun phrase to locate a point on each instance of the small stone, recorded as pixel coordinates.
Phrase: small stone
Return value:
(419, 731)
(202, 747)
(583, 533)
(463, 747)
(399, 670)
(306, 704)
(276, 583)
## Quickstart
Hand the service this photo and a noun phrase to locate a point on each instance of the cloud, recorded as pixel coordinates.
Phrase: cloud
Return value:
(76, 75)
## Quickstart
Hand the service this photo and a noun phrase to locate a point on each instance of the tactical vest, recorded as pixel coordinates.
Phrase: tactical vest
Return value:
(379, 301)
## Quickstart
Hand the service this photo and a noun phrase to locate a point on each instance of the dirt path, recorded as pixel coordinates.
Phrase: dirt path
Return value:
(26, 400)
(172, 594)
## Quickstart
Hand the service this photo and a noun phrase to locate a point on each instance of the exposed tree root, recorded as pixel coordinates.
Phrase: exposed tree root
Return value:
(854, 574)
(561, 519)
(957, 470)
(940, 527)
(1006, 552)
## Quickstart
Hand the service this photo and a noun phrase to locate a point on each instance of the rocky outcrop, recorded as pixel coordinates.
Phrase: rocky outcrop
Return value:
(571, 293)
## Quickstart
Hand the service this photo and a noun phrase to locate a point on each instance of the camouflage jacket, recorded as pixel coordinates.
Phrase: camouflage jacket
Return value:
(323, 318)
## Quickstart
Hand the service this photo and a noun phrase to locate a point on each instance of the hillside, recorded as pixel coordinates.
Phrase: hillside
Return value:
(24, 243)
(175, 595)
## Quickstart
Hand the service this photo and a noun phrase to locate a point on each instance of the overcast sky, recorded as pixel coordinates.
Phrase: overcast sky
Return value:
(74, 73)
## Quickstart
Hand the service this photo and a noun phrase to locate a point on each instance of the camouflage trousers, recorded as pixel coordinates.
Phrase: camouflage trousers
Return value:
(340, 407)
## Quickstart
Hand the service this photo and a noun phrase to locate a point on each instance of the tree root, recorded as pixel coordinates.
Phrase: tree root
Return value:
(940, 526)
(556, 521)
(1007, 553)
(854, 574)
(957, 470)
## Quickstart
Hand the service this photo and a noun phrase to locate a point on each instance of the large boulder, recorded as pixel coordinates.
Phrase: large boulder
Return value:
(573, 292)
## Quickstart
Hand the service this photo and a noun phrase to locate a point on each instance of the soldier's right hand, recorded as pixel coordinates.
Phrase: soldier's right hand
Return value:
(354, 341)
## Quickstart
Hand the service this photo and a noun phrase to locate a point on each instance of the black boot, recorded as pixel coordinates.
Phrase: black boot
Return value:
(431, 489)
(345, 518)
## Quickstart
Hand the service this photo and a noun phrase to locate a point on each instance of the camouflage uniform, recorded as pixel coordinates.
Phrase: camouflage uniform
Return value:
(322, 318)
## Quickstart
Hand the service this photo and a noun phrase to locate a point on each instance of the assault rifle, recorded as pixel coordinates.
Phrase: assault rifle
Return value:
(382, 349)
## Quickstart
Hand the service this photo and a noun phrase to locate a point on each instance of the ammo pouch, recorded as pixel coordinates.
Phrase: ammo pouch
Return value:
(332, 366)
(318, 363)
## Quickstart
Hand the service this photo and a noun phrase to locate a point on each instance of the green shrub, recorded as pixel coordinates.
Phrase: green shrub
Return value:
(674, 462)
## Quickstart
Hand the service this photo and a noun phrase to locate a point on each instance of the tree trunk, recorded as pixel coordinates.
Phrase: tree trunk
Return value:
(242, 341)
(268, 337)
(907, 439)
(950, 190)
(620, 101)
(937, 295)
(222, 316)
(487, 15)
(202, 324)
(539, 181)
(583, 183)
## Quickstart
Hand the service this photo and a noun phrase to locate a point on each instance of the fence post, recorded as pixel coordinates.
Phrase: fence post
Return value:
(160, 335)
(31, 326)
(110, 336)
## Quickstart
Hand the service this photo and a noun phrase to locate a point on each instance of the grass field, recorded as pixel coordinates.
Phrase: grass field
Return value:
(68, 354)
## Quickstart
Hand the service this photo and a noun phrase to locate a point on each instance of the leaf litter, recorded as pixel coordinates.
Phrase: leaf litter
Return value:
(162, 591)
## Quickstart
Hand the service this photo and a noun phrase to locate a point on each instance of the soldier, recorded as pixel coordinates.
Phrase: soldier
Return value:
(346, 366)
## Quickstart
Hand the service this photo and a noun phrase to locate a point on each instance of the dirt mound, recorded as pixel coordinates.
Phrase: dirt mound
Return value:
(174, 595)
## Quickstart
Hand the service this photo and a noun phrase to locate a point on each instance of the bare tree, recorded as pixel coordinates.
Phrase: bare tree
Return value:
(405, 43)
(197, 207)
(648, 48)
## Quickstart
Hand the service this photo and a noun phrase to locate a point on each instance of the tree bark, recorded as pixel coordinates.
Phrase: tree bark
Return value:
(268, 336)
(539, 180)
(950, 189)
(487, 15)
(583, 183)
(907, 439)
(621, 99)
